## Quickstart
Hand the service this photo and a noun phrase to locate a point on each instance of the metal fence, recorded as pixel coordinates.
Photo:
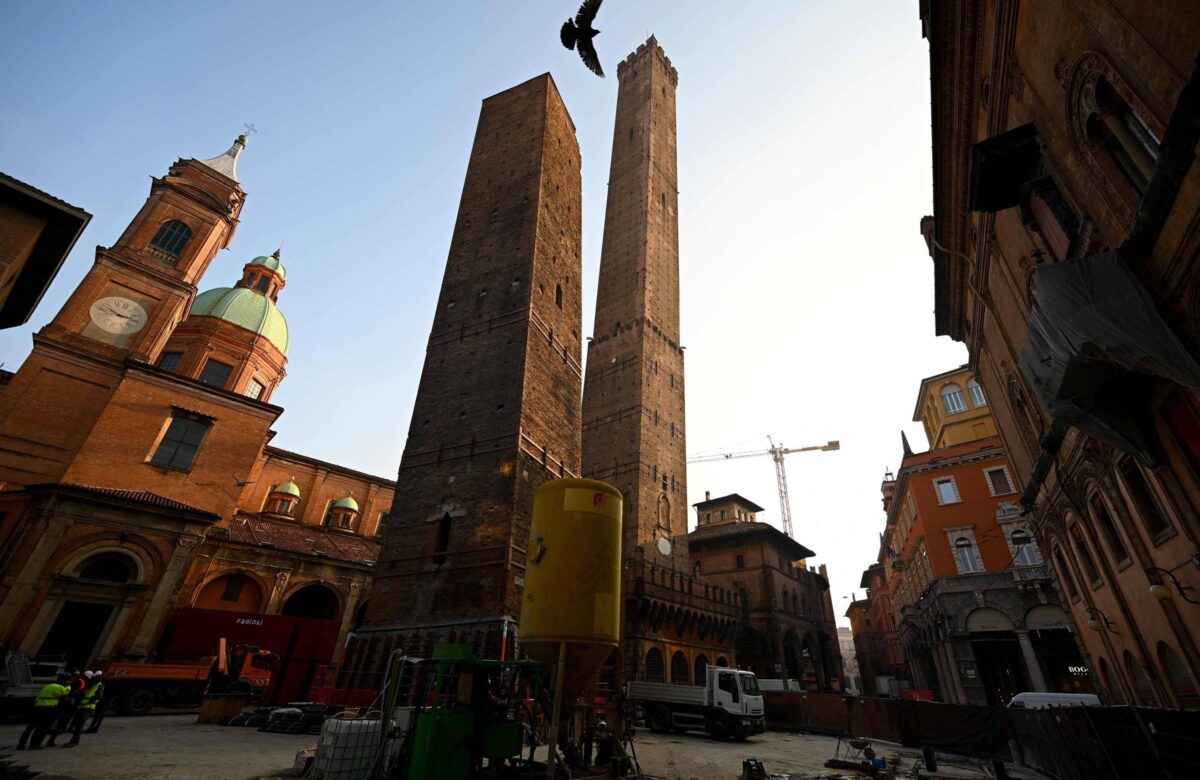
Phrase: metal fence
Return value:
(1086, 743)
(1068, 743)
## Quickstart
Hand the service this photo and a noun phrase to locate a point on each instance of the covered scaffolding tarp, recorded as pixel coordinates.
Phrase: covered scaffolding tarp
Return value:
(1096, 346)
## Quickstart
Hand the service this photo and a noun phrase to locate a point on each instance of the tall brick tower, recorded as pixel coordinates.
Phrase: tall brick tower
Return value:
(633, 408)
(497, 410)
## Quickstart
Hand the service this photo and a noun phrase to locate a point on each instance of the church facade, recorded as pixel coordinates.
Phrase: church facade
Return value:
(141, 499)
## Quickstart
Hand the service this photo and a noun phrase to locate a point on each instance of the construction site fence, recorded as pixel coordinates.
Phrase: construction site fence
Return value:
(1069, 743)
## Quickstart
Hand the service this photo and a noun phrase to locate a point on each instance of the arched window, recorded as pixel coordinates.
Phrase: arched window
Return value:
(696, 568)
(172, 237)
(967, 556)
(664, 513)
(1182, 684)
(558, 295)
(1145, 503)
(1116, 129)
(1085, 555)
(108, 567)
(1115, 696)
(1143, 688)
(312, 601)
(1025, 552)
(977, 396)
(952, 399)
(443, 540)
(679, 669)
(721, 662)
(741, 562)
(701, 669)
(1064, 572)
(654, 665)
(1112, 537)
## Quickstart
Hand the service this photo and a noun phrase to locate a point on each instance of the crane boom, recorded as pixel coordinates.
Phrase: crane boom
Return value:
(776, 451)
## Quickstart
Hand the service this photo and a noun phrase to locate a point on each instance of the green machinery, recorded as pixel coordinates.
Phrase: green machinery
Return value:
(471, 717)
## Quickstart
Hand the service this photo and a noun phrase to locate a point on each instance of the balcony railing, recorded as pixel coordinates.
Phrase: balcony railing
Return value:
(1029, 574)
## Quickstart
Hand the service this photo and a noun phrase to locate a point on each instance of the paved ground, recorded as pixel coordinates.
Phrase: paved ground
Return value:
(174, 747)
(686, 756)
(166, 747)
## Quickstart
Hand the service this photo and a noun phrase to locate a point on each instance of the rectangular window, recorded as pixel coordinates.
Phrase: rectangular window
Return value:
(1185, 428)
(233, 588)
(954, 401)
(170, 361)
(178, 447)
(254, 389)
(216, 373)
(998, 482)
(947, 490)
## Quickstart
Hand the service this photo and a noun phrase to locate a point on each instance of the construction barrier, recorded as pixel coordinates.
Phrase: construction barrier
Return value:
(1069, 743)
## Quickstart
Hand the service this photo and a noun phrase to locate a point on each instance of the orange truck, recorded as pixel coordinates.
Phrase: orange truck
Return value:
(237, 670)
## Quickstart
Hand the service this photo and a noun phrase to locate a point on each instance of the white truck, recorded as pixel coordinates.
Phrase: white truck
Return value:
(729, 704)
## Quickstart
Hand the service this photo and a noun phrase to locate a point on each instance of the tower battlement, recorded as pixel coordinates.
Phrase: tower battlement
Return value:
(649, 49)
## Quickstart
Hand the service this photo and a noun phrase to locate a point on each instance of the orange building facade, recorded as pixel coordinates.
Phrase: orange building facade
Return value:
(967, 590)
(140, 493)
(1066, 201)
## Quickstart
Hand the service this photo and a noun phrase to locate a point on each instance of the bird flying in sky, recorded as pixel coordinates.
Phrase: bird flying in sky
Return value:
(578, 35)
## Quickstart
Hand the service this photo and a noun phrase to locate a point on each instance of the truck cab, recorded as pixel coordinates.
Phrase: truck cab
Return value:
(729, 704)
(735, 694)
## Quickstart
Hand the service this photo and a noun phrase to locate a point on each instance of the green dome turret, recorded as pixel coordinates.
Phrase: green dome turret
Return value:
(247, 309)
(289, 488)
(346, 502)
(272, 262)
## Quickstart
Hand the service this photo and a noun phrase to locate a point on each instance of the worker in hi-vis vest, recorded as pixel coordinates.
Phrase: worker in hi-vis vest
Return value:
(87, 705)
(45, 710)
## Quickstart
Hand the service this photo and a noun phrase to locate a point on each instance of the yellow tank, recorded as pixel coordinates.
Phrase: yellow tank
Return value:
(573, 579)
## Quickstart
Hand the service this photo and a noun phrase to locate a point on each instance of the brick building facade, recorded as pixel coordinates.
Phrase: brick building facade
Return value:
(138, 485)
(1064, 160)
(788, 629)
(497, 410)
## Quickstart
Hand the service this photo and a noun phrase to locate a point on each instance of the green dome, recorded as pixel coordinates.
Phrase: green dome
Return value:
(246, 309)
(272, 262)
(346, 503)
(289, 488)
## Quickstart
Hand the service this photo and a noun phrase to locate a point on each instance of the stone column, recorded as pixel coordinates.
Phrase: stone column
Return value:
(164, 596)
(25, 586)
(1036, 678)
(945, 679)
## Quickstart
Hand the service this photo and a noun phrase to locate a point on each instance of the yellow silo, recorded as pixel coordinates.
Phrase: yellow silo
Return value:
(572, 601)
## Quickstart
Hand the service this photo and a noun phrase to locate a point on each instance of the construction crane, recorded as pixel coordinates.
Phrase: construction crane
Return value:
(777, 451)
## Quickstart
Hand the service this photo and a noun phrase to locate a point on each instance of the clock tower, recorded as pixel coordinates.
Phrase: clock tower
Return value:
(141, 287)
(121, 314)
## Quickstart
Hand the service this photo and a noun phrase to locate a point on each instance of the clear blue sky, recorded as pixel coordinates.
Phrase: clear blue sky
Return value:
(804, 171)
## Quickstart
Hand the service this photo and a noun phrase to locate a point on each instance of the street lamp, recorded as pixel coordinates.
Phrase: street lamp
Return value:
(1098, 620)
(1160, 591)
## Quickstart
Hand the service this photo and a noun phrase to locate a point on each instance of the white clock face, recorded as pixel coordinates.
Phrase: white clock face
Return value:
(118, 315)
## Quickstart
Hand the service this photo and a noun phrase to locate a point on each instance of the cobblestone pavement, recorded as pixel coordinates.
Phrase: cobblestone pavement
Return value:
(166, 747)
(175, 747)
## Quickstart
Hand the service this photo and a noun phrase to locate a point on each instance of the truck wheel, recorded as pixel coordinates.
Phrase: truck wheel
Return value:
(718, 729)
(138, 701)
(659, 720)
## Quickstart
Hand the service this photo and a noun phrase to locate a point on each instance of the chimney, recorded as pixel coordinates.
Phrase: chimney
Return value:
(707, 495)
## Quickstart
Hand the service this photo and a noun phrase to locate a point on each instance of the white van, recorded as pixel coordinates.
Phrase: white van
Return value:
(1040, 701)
